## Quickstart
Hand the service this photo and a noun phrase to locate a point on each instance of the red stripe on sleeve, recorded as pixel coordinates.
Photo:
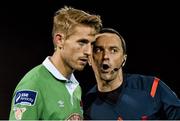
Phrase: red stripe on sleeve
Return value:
(154, 86)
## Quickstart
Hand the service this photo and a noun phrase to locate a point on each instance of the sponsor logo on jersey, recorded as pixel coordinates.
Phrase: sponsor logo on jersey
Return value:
(74, 117)
(25, 97)
(61, 103)
(18, 112)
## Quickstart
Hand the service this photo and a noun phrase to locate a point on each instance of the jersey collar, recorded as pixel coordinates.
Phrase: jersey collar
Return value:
(52, 69)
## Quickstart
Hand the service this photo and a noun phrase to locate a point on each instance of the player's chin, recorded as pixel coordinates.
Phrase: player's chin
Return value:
(79, 67)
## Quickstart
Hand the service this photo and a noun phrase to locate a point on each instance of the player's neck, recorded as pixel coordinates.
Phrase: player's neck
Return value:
(60, 66)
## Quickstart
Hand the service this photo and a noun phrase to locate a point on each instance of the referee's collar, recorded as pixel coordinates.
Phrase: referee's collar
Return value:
(53, 70)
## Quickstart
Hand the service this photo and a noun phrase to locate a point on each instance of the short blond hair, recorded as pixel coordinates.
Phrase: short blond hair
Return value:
(66, 18)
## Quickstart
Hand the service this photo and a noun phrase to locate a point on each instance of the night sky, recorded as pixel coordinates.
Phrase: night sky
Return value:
(150, 29)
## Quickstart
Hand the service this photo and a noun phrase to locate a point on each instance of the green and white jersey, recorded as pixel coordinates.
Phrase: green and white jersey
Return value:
(44, 93)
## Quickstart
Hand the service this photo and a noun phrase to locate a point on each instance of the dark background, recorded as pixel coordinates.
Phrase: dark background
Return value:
(150, 28)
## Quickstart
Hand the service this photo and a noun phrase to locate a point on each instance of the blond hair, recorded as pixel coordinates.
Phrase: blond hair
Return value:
(66, 18)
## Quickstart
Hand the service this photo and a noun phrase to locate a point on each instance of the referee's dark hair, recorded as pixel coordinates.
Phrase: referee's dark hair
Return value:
(111, 30)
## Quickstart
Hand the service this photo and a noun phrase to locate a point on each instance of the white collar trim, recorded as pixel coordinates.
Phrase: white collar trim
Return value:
(53, 70)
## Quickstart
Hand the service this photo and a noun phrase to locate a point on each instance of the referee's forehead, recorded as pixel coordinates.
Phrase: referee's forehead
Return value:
(107, 39)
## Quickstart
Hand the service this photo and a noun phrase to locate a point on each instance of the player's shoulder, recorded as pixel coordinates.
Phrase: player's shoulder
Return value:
(35, 72)
(32, 77)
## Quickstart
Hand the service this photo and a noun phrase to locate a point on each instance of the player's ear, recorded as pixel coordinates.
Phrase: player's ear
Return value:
(59, 40)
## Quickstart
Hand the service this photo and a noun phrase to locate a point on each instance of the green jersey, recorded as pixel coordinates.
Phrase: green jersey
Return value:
(44, 93)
